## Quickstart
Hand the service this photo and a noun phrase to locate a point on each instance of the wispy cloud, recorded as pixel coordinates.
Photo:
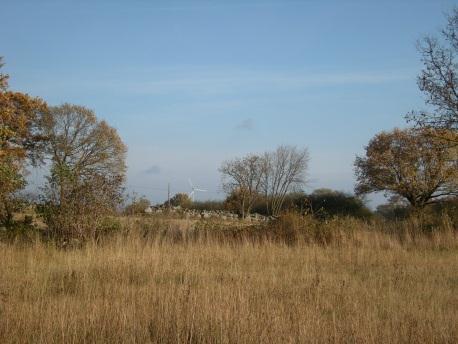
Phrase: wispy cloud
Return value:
(154, 170)
(246, 124)
(231, 81)
(211, 81)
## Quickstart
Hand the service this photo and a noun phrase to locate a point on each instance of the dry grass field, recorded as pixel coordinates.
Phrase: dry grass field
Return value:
(370, 288)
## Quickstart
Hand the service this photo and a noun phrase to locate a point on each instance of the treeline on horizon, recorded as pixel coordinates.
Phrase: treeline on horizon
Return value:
(417, 167)
(322, 203)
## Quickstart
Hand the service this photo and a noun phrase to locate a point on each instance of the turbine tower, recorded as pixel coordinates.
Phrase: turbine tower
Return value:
(194, 190)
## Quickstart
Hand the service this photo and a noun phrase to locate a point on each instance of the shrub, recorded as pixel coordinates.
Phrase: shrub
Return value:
(137, 206)
(326, 203)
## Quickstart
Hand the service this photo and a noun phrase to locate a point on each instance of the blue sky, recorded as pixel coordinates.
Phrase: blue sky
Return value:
(189, 84)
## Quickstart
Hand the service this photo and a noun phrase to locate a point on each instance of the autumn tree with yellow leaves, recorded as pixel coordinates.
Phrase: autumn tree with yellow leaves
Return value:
(20, 141)
(415, 164)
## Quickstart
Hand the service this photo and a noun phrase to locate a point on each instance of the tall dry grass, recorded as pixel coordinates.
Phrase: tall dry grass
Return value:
(364, 286)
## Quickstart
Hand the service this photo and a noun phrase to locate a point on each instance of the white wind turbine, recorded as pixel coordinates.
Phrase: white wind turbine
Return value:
(194, 190)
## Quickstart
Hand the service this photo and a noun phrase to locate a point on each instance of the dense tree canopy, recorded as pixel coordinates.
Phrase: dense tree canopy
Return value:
(328, 203)
(413, 164)
(20, 131)
(87, 166)
(20, 138)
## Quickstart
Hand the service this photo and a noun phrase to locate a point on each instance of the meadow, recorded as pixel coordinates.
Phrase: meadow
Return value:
(161, 282)
(101, 243)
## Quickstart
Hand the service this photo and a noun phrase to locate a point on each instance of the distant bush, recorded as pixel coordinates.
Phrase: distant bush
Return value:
(137, 206)
(393, 211)
(75, 220)
(20, 232)
(432, 214)
(292, 228)
(447, 206)
(108, 224)
(180, 200)
(326, 203)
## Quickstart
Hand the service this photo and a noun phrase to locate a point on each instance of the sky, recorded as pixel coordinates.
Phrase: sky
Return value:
(189, 84)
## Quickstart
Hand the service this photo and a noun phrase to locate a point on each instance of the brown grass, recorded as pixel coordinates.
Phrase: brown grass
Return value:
(370, 287)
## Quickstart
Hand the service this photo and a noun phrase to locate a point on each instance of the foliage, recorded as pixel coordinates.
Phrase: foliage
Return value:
(137, 206)
(426, 219)
(20, 118)
(322, 204)
(326, 203)
(86, 205)
(20, 138)
(11, 180)
(180, 200)
(393, 211)
(413, 164)
(87, 173)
